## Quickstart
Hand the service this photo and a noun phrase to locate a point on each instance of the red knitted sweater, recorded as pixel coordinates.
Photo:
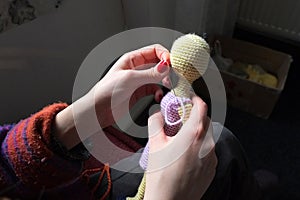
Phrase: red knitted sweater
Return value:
(33, 166)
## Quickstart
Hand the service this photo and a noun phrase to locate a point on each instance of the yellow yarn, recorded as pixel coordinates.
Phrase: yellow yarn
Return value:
(190, 56)
(182, 88)
(258, 74)
(188, 108)
(254, 73)
(268, 80)
(141, 191)
(189, 59)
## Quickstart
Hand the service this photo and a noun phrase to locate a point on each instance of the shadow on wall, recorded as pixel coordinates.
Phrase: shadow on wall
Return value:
(39, 59)
(16, 12)
(196, 16)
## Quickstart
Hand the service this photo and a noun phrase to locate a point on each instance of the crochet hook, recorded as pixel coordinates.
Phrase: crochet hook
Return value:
(173, 79)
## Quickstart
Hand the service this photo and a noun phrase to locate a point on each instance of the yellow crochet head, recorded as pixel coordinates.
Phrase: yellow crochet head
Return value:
(190, 56)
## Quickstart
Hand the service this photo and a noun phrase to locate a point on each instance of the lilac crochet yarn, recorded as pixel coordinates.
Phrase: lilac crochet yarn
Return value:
(169, 107)
(4, 129)
(144, 158)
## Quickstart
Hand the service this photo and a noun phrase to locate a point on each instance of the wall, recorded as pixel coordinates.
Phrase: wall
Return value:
(198, 16)
(274, 18)
(39, 59)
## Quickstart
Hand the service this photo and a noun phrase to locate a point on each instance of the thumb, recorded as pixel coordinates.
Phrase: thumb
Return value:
(154, 74)
(156, 127)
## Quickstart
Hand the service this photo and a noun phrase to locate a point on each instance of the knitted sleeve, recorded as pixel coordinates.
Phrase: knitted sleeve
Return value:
(29, 160)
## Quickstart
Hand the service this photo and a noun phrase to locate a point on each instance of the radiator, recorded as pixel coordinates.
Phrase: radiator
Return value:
(275, 17)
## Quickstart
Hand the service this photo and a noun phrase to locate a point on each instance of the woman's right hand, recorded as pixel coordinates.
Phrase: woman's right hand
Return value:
(134, 76)
(175, 170)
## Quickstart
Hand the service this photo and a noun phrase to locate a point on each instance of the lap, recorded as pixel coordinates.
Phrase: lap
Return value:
(233, 179)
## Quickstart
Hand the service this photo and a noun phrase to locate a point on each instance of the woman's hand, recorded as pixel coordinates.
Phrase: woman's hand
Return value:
(132, 77)
(175, 169)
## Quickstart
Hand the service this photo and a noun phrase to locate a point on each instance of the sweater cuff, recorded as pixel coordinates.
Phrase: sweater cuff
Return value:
(28, 150)
(47, 117)
(48, 114)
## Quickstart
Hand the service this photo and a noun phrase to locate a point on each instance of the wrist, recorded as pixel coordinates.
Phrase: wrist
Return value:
(64, 128)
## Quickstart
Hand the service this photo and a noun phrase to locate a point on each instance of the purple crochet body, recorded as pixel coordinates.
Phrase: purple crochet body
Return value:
(169, 107)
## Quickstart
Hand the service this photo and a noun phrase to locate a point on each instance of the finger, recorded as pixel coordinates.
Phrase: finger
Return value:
(211, 158)
(199, 110)
(152, 75)
(146, 90)
(158, 95)
(141, 58)
(155, 51)
(198, 116)
(156, 129)
(207, 140)
(167, 82)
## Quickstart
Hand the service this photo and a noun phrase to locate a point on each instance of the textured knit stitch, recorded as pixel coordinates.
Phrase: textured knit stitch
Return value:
(189, 59)
(144, 157)
(4, 129)
(169, 108)
(170, 105)
(184, 112)
(28, 165)
(172, 108)
(190, 56)
(31, 167)
(141, 191)
(26, 155)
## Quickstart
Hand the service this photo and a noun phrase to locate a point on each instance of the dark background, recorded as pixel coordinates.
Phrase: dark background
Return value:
(273, 144)
(46, 53)
(270, 144)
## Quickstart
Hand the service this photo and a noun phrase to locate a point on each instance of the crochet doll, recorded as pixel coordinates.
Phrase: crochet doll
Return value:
(189, 60)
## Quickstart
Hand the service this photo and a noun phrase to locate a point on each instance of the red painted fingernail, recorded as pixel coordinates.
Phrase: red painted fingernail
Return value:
(168, 62)
(162, 66)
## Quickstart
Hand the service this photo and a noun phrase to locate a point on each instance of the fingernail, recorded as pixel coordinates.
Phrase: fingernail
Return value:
(162, 66)
(168, 62)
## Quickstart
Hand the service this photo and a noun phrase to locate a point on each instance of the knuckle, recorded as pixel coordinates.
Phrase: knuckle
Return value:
(150, 119)
(128, 57)
(125, 55)
(201, 128)
(152, 74)
(204, 106)
(159, 46)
